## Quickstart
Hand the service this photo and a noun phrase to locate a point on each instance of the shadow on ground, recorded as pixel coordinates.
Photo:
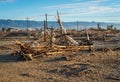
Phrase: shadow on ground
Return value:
(72, 70)
(7, 58)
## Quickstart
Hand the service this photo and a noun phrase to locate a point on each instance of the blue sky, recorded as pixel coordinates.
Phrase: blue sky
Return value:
(70, 10)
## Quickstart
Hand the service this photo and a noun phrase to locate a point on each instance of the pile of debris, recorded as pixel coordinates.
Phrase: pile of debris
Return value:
(48, 44)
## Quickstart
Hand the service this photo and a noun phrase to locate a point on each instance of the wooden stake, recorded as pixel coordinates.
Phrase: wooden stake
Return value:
(44, 30)
(46, 21)
(51, 37)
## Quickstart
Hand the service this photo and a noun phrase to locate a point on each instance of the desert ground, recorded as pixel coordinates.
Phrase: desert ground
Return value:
(99, 65)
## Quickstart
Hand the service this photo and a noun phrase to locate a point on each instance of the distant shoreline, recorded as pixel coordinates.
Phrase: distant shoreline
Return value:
(39, 24)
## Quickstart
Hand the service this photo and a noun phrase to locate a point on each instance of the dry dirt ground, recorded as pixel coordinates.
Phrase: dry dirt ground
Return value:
(81, 66)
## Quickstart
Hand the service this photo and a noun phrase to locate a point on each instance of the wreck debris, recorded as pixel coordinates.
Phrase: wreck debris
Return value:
(45, 45)
(63, 31)
(28, 51)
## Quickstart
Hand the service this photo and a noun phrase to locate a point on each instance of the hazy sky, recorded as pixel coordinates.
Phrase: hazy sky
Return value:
(70, 10)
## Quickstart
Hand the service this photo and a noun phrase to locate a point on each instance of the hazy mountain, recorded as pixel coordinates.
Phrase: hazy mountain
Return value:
(38, 24)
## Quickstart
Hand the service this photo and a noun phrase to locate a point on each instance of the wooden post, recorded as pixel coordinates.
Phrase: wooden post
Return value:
(88, 38)
(45, 27)
(27, 23)
(77, 26)
(44, 30)
(98, 27)
(46, 20)
(51, 37)
(61, 27)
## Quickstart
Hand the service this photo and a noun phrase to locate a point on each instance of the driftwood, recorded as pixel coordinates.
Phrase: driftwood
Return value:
(63, 32)
(29, 52)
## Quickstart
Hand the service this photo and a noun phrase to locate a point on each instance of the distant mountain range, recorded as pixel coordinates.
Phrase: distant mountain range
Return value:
(39, 24)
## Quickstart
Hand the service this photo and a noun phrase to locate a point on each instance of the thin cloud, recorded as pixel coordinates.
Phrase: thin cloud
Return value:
(86, 8)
